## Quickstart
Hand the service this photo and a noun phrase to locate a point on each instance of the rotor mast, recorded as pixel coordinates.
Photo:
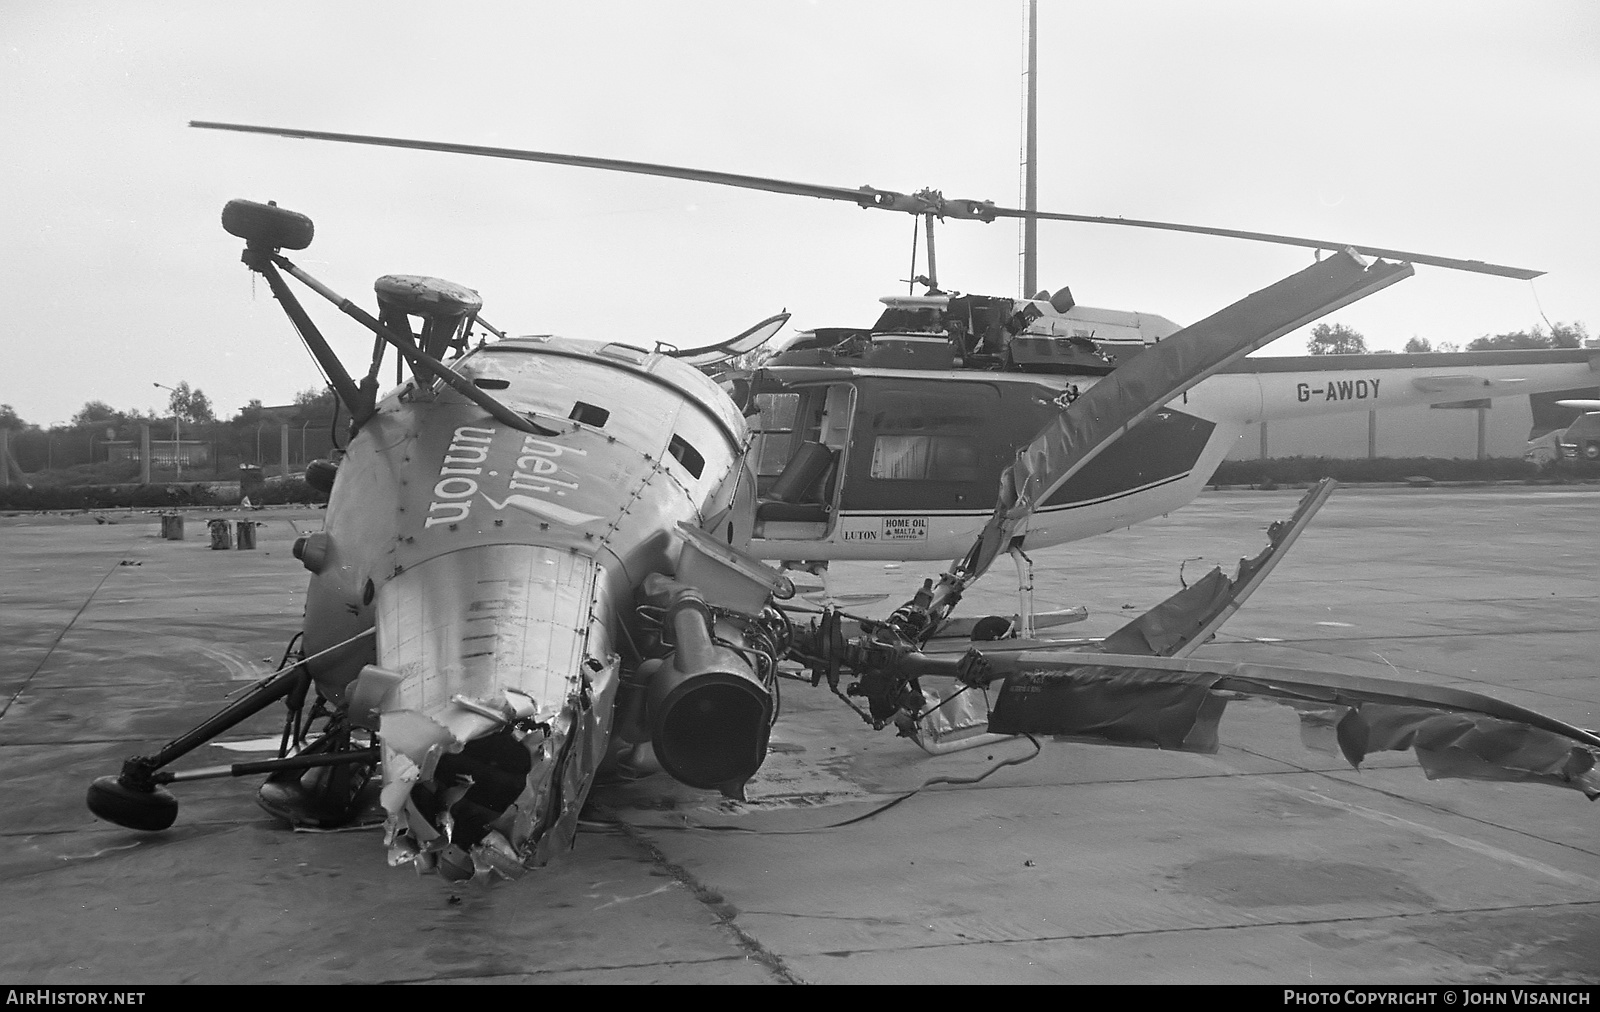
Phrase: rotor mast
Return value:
(1030, 162)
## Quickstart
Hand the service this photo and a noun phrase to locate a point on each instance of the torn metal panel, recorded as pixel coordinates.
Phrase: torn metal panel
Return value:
(1466, 746)
(490, 732)
(948, 713)
(1178, 704)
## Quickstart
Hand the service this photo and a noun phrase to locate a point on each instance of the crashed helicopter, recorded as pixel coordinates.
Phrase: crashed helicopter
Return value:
(536, 560)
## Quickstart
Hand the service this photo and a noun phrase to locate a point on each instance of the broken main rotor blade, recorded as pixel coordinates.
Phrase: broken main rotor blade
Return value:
(1136, 390)
(1177, 703)
(926, 201)
(1176, 627)
(1184, 622)
(1139, 687)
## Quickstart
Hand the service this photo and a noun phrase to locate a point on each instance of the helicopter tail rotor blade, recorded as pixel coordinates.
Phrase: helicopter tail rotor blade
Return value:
(1453, 263)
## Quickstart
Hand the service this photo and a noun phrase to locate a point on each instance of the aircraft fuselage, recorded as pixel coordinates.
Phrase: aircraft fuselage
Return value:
(918, 455)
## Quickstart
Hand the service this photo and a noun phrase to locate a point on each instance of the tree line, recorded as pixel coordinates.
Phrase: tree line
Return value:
(251, 435)
(1337, 339)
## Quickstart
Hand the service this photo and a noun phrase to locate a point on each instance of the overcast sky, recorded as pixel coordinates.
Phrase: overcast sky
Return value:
(1454, 128)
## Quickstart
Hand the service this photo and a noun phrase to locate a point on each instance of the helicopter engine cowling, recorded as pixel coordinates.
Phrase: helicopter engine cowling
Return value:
(708, 713)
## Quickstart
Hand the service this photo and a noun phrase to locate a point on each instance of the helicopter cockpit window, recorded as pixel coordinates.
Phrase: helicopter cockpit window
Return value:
(686, 455)
(922, 320)
(589, 414)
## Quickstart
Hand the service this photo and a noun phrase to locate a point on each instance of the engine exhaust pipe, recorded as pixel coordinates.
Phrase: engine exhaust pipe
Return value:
(709, 715)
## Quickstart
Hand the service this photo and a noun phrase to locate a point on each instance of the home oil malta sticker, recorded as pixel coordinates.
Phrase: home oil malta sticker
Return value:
(874, 529)
(532, 487)
(905, 528)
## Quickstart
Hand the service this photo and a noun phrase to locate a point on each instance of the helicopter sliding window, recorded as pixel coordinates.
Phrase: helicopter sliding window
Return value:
(924, 458)
(932, 437)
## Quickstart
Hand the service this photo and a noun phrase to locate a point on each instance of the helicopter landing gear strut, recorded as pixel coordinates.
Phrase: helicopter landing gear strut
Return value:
(1024, 627)
(137, 797)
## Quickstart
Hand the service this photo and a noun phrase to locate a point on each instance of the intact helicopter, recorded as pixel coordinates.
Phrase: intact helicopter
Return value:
(541, 555)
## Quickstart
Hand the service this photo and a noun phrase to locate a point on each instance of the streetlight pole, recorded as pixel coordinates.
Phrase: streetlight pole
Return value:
(177, 435)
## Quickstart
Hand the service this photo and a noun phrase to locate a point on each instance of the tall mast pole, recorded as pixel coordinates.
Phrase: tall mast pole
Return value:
(1030, 223)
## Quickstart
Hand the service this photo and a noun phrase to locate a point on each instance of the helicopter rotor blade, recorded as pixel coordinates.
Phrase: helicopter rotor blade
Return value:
(922, 202)
(865, 196)
(1137, 390)
(1452, 263)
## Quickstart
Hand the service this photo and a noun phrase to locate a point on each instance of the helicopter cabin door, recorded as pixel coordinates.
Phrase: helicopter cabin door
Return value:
(799, 443)
(924, 458)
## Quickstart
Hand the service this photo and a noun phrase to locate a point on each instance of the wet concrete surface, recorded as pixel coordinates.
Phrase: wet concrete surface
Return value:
(1262, 863)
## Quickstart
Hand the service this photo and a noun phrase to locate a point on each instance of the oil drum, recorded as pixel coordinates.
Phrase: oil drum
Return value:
(221, 534)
